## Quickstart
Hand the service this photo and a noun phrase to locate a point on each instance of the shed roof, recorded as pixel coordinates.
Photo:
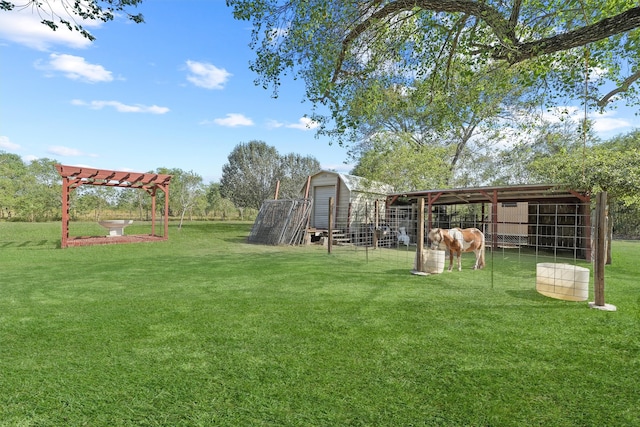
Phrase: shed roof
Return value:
(512, 193)
(360, 184)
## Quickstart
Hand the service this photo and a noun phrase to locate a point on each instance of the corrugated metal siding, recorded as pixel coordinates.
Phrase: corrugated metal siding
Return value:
(345, 191)
(321, 195)
(513, 218)
(324, 178)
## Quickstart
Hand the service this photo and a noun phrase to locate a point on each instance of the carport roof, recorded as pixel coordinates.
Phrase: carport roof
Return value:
(541, 193)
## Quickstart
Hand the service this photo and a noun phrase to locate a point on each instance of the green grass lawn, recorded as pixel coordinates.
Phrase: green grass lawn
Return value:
(205, 329)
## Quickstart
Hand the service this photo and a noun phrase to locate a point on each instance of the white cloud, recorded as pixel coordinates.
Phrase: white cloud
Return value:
(274, 124)
(120, 107)
(597, 73)
(608, 124)
(23, 26)
(8, 145)
(602, 122)
(234, 120)
(277, 34)
(558, 114)
(338, 167)
(304, 123)
(206, 75)
(76, 68)
(59, 150)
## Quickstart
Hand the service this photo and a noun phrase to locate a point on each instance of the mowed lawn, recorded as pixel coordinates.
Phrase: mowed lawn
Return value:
(208, 330)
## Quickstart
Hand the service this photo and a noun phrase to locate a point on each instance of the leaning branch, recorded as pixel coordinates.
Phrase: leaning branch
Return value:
(508, 47)
(515, 15)
(623, 88)
(600, 30)
(491, 16)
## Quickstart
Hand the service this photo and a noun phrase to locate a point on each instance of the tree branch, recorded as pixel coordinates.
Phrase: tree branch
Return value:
(507, 47)
(600, 30)
(515, 14)
(491, 16)
(623, 88)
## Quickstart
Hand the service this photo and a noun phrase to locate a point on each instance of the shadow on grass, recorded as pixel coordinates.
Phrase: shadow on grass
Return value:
(527, 294)
(238, 239)
(29, 243)
(399, 271)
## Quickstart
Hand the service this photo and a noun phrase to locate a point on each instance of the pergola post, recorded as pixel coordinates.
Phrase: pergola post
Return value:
(153, 212)
(166, 210)
(65, 213)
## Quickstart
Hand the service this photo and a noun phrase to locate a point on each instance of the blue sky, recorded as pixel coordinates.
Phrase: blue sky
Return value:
(173, 92)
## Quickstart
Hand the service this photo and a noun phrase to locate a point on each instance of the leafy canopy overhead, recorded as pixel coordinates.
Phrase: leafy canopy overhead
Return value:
(612, 166)
(71, 13)
(340, 46)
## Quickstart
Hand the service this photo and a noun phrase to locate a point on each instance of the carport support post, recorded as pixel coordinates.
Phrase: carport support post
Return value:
(494, 221)
(420, 240)
(376, 224)
(601, 253)
(330, 242)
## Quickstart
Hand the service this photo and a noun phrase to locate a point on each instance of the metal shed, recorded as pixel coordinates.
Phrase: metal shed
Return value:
(349, 192)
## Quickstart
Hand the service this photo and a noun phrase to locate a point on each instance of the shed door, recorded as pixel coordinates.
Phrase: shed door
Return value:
(321, 205)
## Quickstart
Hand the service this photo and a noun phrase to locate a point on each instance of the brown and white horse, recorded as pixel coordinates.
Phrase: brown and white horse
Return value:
(457, 241)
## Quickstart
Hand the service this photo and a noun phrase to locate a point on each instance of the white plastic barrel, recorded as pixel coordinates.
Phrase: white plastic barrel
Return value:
(433, 261)
(562, 281)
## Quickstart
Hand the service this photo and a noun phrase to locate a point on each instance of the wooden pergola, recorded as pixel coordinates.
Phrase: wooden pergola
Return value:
(75, 176)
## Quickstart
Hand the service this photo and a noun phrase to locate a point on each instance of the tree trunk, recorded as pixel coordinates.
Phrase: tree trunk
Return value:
(181, 218)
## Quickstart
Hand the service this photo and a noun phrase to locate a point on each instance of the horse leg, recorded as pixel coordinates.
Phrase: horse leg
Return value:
(450, 259)
(459, 253)
(477, 264)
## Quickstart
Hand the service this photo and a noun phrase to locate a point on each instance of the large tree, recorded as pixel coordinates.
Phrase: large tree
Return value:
(612, 166)
(95, 198)
(133, 200)
(403, 164)
(251, 174)
(12, 174)
(254, 170)
(339, 47)
(216, 204)
(70, 14)
(524, 162)
(444, 121)
(187, 191)
(294, 169)
(39, 191)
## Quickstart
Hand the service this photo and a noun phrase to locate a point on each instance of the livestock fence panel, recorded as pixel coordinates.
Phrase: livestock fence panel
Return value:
(522, 235)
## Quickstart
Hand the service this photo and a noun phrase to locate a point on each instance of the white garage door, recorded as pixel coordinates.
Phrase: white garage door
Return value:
(321, 205)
